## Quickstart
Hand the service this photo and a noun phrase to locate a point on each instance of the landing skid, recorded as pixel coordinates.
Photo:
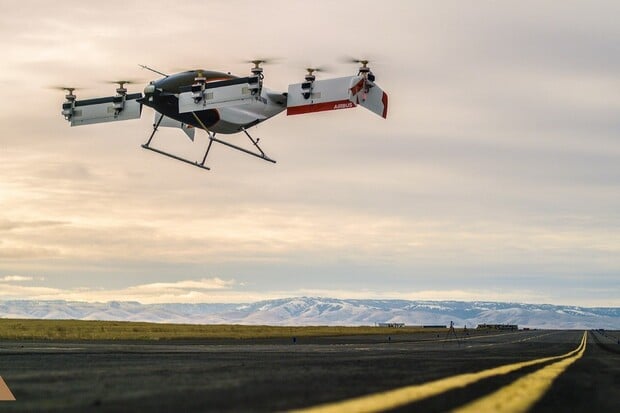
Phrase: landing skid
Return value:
(260, 154)
(178, 158)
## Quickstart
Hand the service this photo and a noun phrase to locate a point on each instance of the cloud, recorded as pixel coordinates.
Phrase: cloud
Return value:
(202, 284)
(8, 225)
(9, 278)
(217, 290)
(200, 290)
(522, 296)
(27, 252)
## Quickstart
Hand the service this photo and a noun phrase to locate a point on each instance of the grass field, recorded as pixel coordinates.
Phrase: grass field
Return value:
(21, 329)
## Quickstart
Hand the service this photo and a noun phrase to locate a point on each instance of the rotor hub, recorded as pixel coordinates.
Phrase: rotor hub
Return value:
(257, 70)
(121, 90)
(69, 105)
(364, 70)
(310, 77)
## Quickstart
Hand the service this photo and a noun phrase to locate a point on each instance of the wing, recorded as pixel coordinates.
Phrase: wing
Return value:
(106, 109)
(334, 94)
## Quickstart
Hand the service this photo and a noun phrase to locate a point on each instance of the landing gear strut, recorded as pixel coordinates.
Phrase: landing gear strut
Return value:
(260, 154)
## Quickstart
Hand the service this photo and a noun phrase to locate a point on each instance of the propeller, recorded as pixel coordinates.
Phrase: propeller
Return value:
(310, 77)
(121, 90)
(312, 70)
(69, 90)
(257, 70)
(363, 62)
(122, 83)
(260, 60)
(364, 70)
(257, 63)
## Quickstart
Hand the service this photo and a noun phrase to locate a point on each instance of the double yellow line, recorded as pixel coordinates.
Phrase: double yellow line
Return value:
(518, 396)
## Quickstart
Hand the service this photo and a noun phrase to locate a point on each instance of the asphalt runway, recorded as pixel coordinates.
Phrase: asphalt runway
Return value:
(418, 372)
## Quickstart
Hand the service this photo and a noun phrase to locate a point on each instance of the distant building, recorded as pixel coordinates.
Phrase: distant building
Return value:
(391, 325)
(510, 327)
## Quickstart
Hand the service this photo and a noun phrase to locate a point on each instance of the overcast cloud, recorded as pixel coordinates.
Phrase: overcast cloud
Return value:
(495, 176)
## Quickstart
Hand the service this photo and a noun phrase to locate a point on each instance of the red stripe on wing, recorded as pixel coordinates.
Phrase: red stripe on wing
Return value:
(384, 100)
(320, 107)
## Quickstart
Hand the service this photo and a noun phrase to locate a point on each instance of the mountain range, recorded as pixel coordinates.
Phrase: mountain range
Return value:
(325, 311)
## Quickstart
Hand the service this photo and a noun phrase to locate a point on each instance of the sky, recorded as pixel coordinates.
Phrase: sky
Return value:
(496, 175)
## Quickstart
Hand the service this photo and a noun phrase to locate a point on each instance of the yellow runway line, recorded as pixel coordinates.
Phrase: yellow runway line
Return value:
(520, 395)
(5, 393)
(392, 399)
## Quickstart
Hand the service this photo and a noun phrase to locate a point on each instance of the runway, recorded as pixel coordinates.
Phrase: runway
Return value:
(582, 372)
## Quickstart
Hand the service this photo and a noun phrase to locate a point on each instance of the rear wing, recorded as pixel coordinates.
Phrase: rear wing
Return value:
(165, 121)
(334, 94)
(106, 109)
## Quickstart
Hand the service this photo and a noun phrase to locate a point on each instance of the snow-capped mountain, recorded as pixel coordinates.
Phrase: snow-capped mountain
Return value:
(325, 311)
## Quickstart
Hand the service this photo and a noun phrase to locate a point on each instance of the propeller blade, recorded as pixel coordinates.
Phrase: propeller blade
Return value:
(318, 69)
(125, 82)
(64, 88)
(261, 60)
(364, 61)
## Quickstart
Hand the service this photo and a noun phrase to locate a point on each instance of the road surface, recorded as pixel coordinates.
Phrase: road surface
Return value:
(418, 372)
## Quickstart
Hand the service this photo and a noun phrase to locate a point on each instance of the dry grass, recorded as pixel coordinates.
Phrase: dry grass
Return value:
(21, 329)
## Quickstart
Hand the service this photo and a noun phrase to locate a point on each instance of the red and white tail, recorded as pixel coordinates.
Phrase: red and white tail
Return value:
(334, 94)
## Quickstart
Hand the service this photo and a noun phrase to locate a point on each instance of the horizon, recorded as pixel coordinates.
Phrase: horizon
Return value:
(323, 311)
(289, 298)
